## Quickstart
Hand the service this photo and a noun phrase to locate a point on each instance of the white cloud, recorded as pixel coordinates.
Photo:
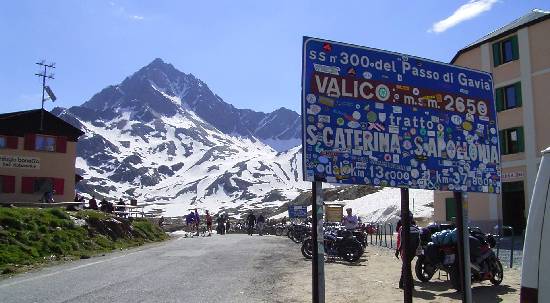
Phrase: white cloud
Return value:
(120, 11)
(465, 12)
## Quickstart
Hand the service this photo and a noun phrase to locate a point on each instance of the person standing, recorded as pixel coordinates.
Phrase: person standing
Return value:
(190, 222)
(209, 223)
(250, 221)
(92, 204)
(414, 232)
(227, 224)
(121, 208)
(261, 224)
(197, 221)
(350, 221)
(220, 229)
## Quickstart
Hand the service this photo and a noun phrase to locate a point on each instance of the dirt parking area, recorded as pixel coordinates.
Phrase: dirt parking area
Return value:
(375, 279)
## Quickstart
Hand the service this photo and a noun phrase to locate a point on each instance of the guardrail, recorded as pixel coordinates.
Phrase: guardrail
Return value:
(501, 235)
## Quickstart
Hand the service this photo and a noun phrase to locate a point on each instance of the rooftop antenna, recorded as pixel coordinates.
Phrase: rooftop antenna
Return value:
(45, 88)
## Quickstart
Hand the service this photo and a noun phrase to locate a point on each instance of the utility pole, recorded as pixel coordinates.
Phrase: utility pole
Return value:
(44, 75)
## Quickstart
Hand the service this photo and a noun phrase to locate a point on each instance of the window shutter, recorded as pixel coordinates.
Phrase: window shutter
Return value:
(11, 142)
(499, 99)
(30, 141)
(496, 54)
(521, 142)
(518, 93)
(61, 144)
(515, 48)
(502, 139)
(59, 186)
(8, 184)
(27, 185)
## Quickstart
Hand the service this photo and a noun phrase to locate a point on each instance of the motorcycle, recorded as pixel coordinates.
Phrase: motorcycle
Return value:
(298, 232)
(347, 248)
(484, 264)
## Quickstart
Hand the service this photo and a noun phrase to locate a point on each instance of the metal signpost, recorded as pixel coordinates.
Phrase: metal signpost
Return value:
(389, 119)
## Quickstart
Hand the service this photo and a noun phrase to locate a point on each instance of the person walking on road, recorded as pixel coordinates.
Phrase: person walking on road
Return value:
(189, 223)
(260, 224)
(227, 224)
(209, 223)
(250, 221)
(197, 221)
(220, 228)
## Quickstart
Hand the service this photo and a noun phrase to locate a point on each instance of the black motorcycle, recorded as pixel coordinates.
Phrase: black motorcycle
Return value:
(347, 248)
(298, 232)
(485, 265)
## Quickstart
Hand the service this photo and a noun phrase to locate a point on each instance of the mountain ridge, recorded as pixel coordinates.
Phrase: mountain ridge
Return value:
(163, 137)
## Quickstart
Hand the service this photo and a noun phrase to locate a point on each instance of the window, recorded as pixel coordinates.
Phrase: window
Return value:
(3, 142)
(511, 141)
(7, 184)
(450, 210)
(505, 51)
(508, 97)
(8, 142)
(40, 185)
(44, 143)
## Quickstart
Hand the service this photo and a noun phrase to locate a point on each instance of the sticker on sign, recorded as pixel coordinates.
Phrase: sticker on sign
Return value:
(377, 117)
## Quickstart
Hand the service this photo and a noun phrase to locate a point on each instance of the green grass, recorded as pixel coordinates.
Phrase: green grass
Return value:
(29, 236)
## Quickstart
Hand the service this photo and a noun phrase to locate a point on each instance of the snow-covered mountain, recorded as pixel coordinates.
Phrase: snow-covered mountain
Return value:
(162, 136)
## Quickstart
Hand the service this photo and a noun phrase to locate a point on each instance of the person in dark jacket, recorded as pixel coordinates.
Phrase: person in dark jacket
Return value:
(104, 205)
(260, 223)
(414, 233)
(227, 224)
(220, 228)
(92, 204)
(250, 221)
(121, 206)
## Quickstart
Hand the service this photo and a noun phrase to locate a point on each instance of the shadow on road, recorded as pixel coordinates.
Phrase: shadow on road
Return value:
(481, 293)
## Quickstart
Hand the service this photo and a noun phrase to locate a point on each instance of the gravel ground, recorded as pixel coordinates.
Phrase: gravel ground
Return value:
(375, 279)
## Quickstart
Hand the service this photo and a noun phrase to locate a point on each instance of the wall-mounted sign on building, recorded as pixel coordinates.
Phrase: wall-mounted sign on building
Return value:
(334, 213)
(383, 118)
(513, 175)
(7, 161)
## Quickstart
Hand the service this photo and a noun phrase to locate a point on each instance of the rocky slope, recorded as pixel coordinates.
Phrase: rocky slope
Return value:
(163, 137)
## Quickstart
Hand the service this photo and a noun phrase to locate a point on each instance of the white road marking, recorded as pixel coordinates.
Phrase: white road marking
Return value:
(66, 270)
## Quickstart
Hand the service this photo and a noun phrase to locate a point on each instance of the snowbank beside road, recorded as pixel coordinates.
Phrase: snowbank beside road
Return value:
(385, 205)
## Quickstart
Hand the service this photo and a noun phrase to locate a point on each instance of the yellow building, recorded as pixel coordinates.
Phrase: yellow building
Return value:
(34, 161)
(518, 56)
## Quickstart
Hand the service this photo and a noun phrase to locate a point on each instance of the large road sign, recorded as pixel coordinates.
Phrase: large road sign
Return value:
(383, 118)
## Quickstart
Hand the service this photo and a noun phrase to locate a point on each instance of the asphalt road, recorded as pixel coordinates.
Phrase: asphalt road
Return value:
(230, 268)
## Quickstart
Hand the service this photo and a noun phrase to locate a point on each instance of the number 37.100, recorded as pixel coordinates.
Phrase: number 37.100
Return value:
(471, 106)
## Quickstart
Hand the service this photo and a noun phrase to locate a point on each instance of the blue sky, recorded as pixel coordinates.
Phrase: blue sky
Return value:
(248, 52)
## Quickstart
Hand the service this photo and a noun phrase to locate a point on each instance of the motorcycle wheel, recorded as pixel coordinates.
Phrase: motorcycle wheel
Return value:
(279, 231)
(424, 272)
(294, 237)
(498, 273)
(351, 253)
(307, 249)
